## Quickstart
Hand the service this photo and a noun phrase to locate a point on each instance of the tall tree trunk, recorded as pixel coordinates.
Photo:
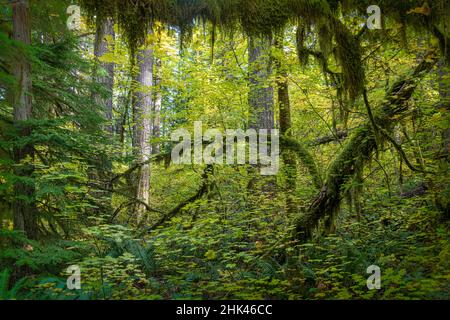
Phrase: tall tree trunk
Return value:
(261, 102)
(284, 107)
(104, 38)
(261, 96)
(157, 105)
(24, 206)
(105, 32)
(142, 121)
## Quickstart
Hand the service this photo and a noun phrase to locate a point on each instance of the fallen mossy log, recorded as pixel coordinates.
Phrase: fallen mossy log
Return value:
(287, 143)
(358, 151)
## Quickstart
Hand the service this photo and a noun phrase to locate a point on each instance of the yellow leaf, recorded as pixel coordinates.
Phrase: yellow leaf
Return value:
(210, 255)
(425, 10)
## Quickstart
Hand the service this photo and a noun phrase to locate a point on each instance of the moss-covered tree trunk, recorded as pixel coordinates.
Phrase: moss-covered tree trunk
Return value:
(358, 151)
(24, 206)
(284, 110)
(443, 197)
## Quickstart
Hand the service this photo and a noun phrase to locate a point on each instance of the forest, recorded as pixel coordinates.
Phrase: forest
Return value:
(224, 150)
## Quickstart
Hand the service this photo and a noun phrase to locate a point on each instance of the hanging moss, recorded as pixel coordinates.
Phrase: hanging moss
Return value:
(348, 54)
(254, 16)
(302, 51)
(325, 34)
(358, 152)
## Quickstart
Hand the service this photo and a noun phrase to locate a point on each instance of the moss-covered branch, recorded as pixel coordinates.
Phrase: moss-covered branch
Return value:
(358, 151)
(304, 157)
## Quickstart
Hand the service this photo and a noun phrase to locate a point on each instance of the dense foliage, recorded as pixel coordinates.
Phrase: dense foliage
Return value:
(364, 176)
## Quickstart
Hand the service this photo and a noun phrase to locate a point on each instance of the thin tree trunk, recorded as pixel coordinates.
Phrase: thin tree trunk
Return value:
(157, 105)
(284, 107)
(142, 122)
(24, 207)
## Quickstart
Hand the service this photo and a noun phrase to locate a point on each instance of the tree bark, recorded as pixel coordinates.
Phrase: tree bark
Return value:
(24, 206)
(261, 102)
(261, 95)
(102, 45)
(142, 121)
(157, 105)
(104, 31)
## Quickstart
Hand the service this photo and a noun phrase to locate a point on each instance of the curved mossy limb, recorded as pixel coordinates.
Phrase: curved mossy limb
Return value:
(328, 201)
(358, 151)
(304, 157)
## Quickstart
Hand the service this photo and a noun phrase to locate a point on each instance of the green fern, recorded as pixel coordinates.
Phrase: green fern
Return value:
(5, 292)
